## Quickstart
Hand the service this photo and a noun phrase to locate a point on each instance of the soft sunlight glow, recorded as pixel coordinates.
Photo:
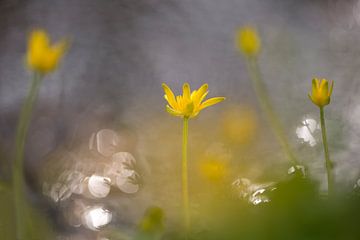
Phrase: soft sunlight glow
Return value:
(99, 186)
(96, 217)
(306, 131)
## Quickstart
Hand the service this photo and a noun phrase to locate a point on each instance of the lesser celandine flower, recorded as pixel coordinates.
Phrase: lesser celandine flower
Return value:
(190, 103)
(42, 57)
(187, 106)
(320, 96)
(248, 41)
(321, 92)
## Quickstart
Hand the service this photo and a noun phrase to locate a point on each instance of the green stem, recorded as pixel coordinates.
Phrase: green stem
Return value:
(18, 167)
(328, 163)
(265, 103)
(185, 191)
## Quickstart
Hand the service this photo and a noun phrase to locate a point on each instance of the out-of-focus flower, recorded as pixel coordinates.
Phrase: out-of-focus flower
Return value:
(238, 125)
(320, 96)
(248, 41)
(189, 104)
(321, 93)
(42, 57)
(153, 221)
(214, 164)
(214, 170)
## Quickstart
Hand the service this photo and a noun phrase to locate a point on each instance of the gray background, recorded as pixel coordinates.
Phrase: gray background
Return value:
(123, 50)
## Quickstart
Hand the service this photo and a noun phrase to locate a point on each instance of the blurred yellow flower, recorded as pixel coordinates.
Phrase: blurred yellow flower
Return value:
(189, 104)
(248, 41)
(153, 220)
(214, 162)
(239, 125)
(320, 94)
(214, 170)
(42, 57)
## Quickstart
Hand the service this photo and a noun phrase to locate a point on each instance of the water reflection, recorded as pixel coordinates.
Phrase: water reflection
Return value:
(96, 217)
(85, 180)
(356, 188)
(306, 131)
(254, 193)
(259, 197)
(99, 186)
(104, 142)
(300, 169)
(73, 214)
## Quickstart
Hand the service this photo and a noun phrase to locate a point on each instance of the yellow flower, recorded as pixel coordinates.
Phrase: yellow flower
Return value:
(239, 125)
(42, 57)
(189, 104)
(248, 41)
(321, 93)
(214, 170)
(214, 164)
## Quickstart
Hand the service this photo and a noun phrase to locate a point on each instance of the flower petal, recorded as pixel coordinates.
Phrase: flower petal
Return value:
(315, 87)
(202, 90)
(38, 40)
(169, 96)
(317, 83)
(193, 95)
(60, 48)
(331, 88)
(211, 102)
(203, 96)
(172, 111)
(324, 84)
(186, 91)
(180, 102)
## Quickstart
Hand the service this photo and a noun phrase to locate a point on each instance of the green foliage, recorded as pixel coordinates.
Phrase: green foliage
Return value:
(296, 211)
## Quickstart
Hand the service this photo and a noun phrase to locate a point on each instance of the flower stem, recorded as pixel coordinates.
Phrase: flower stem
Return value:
(185, 191)
(17, 170)
(265, 103)
(328, 163)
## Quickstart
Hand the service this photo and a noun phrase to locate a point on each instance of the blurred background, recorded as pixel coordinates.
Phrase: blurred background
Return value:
(107, 94)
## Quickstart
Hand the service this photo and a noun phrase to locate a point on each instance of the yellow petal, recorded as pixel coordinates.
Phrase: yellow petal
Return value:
(38, 40)
(180, 102)
(186, 91)
(331, 88)
(323, 84)
(211, 102)
(169, 96)
(60, 48)
(315, 86)
(53, 56)
(193, 94)
(203, 96)
(172, 111)
(317, 83)
(202, 90)
(37, 46)
(198, 95)
(324, 89)
(248, 41)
